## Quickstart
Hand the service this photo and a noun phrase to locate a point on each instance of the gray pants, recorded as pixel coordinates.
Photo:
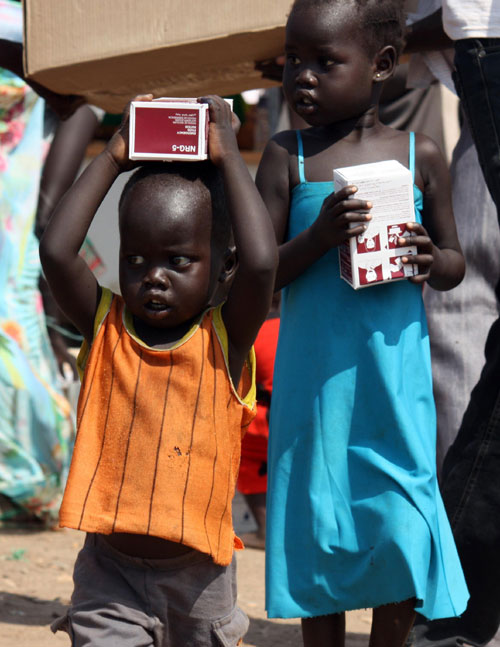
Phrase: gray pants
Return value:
(122, 601)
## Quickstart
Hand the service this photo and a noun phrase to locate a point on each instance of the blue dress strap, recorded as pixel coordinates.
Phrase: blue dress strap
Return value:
(411, 156)
(300, 156)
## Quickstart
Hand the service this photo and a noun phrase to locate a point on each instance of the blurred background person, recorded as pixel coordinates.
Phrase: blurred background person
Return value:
(36, 422)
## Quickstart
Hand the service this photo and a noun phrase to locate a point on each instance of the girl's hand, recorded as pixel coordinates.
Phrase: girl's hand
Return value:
(341, 218)
(425, 251)
(223, 126)
(118, 145)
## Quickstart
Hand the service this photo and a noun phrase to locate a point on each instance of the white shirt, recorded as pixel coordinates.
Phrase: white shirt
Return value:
(471, 18)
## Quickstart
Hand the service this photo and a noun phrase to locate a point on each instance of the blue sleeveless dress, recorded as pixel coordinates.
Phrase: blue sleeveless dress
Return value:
(354, 514)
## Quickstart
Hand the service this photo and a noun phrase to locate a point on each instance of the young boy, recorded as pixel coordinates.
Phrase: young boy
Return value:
(167, 391)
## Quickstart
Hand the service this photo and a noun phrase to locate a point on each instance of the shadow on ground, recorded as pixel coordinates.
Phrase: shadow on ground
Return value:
(26, 610)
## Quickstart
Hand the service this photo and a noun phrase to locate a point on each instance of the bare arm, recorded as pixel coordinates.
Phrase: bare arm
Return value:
(440, 259)
(72, 283)
(250, 295)
(63, 161)
(331, 228)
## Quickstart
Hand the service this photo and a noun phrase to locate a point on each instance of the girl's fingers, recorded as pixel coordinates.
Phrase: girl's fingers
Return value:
(423, 243)
(422, 260)
(338, 196)
(417, 228)
(336, 209)
(344, 193)
(351, 232)
(419, 278)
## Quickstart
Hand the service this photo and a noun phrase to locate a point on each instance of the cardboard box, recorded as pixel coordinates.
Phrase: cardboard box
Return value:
(374, 257)
(169, 129)
(112, 50)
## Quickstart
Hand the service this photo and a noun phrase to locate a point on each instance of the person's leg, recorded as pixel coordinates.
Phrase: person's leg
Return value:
(391, 624)
(257, 505)
(195, 601)
(471, 472)
(324, 631)
(477, 81)
(107, 606)
(468, 312)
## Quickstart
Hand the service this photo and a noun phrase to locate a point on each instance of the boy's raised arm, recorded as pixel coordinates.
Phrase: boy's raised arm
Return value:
(251, 292)
(71, 281)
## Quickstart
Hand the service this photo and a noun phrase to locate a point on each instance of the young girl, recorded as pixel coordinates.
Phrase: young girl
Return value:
(355, 518)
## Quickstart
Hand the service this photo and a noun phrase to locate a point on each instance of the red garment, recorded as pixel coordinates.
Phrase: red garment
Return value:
(252, 477)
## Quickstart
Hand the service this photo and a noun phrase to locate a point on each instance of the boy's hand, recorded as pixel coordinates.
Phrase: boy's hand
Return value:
(223, 126)
(118, 145)
(424, 257)
(338, 214)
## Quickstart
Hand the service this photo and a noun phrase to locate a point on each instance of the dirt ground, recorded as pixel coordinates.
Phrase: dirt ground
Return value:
(35, 584)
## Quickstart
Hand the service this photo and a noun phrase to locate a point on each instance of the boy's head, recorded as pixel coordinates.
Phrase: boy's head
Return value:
(174, 238)
(381, 22)
(196, 175)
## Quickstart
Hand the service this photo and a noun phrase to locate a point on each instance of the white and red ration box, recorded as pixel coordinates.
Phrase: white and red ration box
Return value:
(374, 256)
(169, 129)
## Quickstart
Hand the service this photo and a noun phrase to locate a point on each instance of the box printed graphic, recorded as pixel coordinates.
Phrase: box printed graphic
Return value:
(374, 256)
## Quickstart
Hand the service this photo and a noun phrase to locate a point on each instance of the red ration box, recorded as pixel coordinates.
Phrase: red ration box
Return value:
(169, 129)
(374, 256)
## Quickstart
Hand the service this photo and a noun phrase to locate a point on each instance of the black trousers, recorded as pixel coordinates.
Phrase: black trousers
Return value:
(471, 472)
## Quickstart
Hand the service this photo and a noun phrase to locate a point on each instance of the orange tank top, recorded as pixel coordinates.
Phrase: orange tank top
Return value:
(159, 435)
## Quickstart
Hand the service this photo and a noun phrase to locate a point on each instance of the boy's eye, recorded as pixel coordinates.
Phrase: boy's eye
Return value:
(180, 261)
(292, 59)
(135, 260)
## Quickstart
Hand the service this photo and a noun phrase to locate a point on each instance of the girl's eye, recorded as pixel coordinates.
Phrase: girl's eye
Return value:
(327, 62)
(180, 261)
(135, 260)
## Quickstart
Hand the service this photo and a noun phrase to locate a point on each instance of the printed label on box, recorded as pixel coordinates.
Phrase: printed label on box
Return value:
(169, 130)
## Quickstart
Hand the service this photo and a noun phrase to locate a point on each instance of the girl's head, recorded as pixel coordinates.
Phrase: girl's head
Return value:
(337, 54)
(174, 238)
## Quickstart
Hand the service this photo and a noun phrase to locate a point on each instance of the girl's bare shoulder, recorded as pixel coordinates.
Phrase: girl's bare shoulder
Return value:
(428, 156)
(284, 142)
(276, 159)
